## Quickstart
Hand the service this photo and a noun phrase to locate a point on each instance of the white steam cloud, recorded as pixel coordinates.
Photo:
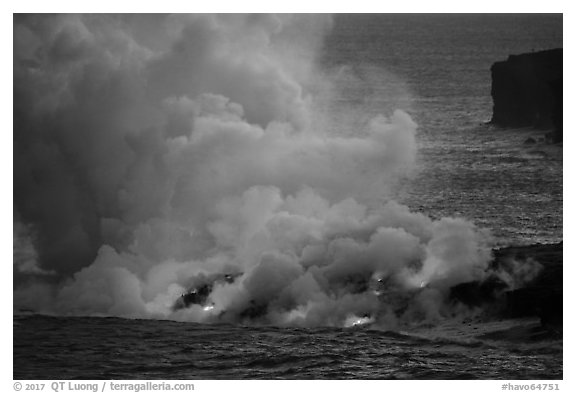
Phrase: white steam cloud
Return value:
(152, 151)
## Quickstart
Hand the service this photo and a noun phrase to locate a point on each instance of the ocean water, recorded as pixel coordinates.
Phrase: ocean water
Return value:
(437, 68)
(114, 348)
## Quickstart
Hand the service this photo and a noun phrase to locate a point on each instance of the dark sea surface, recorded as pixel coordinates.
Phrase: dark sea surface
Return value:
(114, 348)
(436, 68)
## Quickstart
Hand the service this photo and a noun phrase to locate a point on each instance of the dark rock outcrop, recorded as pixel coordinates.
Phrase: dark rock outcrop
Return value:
(478, 293)
(200, 291)
(527, 91)
(541, 296)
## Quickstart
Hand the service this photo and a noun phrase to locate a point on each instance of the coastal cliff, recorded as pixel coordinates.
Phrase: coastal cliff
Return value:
(527, 91)
(537, 294)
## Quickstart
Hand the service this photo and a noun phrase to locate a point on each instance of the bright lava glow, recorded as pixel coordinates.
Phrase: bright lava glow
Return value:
(353, 320)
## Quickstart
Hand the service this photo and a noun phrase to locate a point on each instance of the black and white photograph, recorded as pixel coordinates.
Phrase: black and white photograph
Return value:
(248, 196)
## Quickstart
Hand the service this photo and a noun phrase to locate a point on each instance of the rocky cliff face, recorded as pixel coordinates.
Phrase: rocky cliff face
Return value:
(539, 294)
(527, 91)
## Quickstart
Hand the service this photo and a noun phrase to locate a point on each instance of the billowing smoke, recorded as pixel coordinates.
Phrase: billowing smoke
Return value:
(154, 153)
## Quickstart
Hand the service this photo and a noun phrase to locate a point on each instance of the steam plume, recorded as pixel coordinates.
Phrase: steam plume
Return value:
(150, 151)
